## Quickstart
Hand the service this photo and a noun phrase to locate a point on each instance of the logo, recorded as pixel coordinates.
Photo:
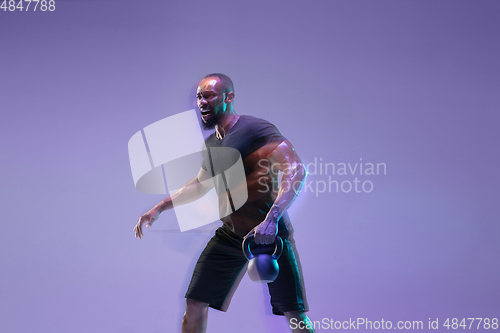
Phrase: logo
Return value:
(166, 155)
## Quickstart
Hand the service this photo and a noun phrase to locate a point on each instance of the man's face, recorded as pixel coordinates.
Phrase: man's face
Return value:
(211, 101)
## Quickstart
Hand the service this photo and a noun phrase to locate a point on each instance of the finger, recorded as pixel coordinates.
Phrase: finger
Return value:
(269, 239)
(138, 230)
(250, 233)
(263, 238)
(258, 238)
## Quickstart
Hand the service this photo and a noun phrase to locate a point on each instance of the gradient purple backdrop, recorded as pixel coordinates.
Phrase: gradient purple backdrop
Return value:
(413, 84)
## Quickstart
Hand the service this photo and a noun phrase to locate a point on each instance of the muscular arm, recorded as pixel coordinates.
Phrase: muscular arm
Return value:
(283, 158)
(191, 191)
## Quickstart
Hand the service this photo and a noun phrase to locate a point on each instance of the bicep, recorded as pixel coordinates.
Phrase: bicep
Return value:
(205, 179)
(284, 158)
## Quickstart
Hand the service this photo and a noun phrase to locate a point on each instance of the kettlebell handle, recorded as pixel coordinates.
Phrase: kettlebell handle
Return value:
(248, 253)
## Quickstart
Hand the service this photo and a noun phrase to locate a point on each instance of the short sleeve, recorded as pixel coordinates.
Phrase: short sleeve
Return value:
(267, 133)
(204, 153)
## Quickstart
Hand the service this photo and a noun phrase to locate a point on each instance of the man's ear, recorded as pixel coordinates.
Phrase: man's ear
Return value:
(229, 97)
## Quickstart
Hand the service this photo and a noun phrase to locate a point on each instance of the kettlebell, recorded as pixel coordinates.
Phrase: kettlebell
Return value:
(263, 268)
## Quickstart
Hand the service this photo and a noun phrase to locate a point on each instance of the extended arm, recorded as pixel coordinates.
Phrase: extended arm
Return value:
(285, 159)
(191, 191)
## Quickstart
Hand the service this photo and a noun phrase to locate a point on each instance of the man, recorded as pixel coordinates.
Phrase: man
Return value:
(264, 151)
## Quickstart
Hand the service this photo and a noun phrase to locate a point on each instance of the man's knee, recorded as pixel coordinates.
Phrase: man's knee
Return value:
(195, 309)
(299, 321)
(295, 314)
(195, 317)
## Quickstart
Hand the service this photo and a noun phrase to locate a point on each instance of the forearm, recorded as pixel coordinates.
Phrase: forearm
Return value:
(291, 184)
(191, 191)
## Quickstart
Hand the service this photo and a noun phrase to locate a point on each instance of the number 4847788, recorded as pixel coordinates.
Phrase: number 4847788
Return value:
(42, 5)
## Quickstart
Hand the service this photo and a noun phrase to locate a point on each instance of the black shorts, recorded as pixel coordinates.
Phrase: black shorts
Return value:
(221, 267)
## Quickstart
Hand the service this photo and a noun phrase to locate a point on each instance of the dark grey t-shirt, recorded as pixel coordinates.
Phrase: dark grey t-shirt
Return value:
(247, 135)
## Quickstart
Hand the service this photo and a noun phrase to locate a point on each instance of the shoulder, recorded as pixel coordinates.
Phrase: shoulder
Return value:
(210, 138)
(262, 131)
(258, 126)
(255, 121)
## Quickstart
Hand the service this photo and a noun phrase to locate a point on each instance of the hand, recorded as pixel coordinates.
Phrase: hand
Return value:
(265, 232)
(147, 218)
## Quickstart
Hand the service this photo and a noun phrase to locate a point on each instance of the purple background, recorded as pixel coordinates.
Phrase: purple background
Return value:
(413, 84)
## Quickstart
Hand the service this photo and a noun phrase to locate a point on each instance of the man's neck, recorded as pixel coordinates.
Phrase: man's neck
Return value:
(225, 125)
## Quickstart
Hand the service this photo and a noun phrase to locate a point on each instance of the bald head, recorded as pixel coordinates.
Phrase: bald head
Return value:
(225, 81)
(215, 99)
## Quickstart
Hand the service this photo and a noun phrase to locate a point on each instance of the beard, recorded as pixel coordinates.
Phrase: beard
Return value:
(211, 122)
